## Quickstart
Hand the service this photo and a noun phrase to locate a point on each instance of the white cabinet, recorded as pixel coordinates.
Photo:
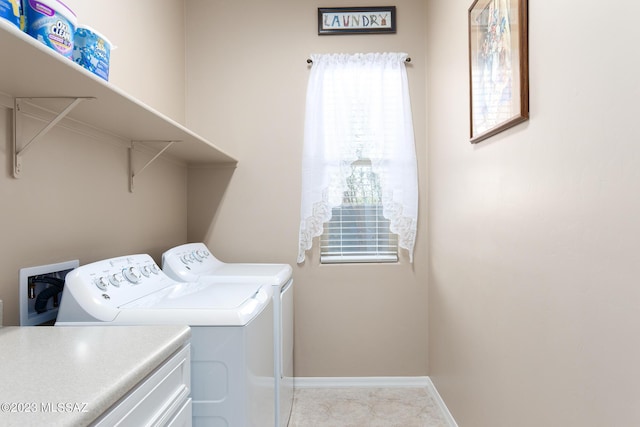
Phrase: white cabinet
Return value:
(162, 399)
(112, 375)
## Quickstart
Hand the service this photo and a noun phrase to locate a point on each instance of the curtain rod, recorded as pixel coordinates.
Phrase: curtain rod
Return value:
(310, 61)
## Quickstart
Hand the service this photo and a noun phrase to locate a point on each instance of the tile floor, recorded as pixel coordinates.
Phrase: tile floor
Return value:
(365, 407)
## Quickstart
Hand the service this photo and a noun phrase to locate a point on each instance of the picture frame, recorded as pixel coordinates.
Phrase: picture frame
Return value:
(356, 20)
(498, 66)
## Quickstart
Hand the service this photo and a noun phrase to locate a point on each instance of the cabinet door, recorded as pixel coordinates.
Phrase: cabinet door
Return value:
(159, 399)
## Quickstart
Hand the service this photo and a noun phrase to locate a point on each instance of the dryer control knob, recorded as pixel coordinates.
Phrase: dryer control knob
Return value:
(196, 255)
(102, 283)
(155, 269)
(132, 274)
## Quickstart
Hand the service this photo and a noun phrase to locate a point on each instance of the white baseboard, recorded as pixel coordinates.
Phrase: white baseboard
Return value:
(387, 382)
(329, 382)
(443, 407)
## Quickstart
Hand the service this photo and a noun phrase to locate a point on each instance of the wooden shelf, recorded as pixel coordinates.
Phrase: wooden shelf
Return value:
(30, 69)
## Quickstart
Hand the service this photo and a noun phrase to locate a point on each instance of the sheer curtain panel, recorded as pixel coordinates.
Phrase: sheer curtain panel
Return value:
(358, 107)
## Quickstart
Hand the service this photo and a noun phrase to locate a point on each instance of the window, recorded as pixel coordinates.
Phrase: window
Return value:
(358, 230)
(359, 168)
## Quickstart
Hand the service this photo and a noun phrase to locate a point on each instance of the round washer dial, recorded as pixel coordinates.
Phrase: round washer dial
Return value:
(132, 274)
(102, 283)
(146, 271)
(116, 279)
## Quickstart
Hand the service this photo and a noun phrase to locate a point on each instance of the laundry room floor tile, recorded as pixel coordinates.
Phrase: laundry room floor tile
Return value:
(365, 407)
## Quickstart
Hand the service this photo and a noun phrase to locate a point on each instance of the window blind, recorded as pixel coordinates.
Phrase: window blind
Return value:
(358, 233)
(358, 230)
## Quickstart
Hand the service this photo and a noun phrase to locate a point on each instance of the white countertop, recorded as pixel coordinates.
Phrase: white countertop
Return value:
(68, 376)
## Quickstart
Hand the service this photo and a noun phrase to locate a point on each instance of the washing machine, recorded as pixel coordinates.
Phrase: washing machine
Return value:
(232, 366)
(194, 262)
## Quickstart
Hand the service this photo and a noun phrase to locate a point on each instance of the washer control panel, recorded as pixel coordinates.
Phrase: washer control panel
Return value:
(129, 274)
(118, 281)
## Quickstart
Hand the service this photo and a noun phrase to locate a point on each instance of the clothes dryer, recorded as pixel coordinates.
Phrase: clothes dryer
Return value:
(193, 262)
(232, 367)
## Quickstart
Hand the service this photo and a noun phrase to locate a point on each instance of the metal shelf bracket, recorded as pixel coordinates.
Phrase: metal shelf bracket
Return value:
(133, 174)
(20, 148)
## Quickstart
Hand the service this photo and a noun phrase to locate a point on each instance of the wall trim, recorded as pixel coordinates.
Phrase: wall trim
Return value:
(389, 382)
(330, 382)
(440, 402)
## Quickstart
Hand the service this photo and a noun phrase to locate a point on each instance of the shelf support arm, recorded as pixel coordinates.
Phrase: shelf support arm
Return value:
(20, 150)
(133, 174)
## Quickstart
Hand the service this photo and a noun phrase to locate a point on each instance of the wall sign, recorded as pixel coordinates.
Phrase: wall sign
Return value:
(356, 20)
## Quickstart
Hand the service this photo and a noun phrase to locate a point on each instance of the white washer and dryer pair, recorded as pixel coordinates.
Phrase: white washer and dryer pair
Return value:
(193, 262)
(232, 324)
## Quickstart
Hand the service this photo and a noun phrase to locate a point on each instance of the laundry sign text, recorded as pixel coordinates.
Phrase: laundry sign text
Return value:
(353, 20)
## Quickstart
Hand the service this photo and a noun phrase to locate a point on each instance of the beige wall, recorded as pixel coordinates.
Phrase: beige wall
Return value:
(534, 296)
(247, 77)
(72, 201)
(148, 61)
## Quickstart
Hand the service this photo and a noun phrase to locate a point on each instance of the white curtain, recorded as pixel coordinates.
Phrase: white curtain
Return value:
(357, 107)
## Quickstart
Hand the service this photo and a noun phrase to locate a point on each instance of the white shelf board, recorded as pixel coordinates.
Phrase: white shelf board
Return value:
(30, 69)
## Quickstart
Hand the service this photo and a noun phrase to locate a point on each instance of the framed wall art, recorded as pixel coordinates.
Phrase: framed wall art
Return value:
(356, 20)
(498, 66)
